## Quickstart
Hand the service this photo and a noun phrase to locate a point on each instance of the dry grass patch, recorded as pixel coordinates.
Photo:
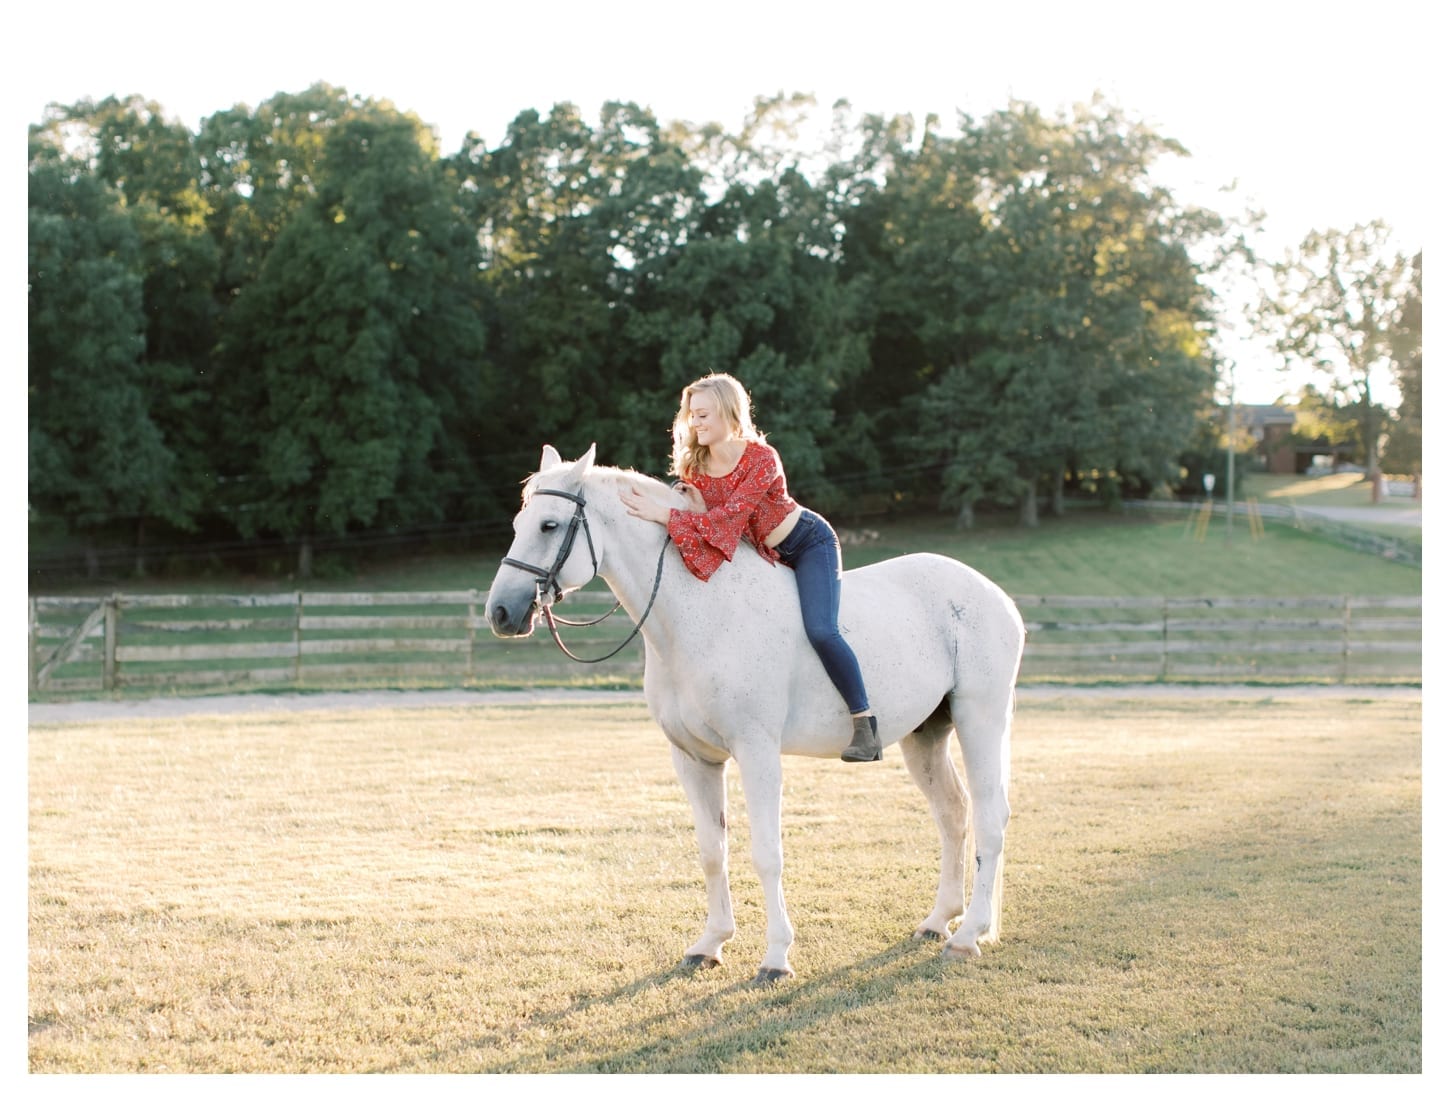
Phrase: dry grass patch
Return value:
(1190, 887)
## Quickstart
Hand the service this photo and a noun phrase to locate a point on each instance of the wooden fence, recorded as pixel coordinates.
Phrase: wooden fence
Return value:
(1223, 638)
(85, 645)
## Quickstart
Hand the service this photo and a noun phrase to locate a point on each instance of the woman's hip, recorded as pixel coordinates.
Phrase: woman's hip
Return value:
(811, 531)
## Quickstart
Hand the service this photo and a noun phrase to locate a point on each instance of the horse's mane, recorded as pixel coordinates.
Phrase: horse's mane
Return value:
(615, 478)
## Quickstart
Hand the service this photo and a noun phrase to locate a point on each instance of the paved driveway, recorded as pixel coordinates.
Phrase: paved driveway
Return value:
(1366, 514)
(92, 711)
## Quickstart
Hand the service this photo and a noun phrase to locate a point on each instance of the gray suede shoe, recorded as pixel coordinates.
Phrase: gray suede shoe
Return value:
(865, 743)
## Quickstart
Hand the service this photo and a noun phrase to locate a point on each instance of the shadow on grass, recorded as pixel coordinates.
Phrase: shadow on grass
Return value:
(709, 1032)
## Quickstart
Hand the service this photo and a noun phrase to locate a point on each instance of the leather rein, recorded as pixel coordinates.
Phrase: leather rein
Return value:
(546, 579)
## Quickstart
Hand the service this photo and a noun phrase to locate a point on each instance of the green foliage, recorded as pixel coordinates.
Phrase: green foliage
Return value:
(95, 453)
(1337, 307)
(1404, 447)
(1074, 341)
(305, 322)
(354, 334)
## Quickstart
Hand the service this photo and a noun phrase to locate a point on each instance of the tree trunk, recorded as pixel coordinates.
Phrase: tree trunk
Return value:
(966, 515)
(1029, 506)
(1371, 438)
(1059, 495)
(140, 547)
(304, 559)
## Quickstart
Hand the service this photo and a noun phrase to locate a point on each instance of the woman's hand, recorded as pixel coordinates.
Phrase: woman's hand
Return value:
(692, 495)
(640, 506)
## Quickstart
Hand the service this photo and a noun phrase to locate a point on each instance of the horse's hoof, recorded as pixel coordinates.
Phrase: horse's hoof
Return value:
(926, 933)
(968, 951)
(697, 962)
(768, 977)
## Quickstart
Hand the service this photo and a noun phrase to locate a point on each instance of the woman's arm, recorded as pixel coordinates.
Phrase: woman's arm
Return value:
(706, 539)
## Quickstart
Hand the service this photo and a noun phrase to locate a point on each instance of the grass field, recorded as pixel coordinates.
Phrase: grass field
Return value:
(1191, 886)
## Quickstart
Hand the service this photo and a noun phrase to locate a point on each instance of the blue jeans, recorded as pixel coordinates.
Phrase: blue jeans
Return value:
(814, 552)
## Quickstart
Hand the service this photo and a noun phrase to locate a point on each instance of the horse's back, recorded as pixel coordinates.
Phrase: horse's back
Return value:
(935, 583)
(925, 626)
(922, 626)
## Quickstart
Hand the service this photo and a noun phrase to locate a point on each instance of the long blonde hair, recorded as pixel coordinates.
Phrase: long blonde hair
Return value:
(731, 402)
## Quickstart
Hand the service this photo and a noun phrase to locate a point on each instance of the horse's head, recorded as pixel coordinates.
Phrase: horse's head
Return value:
(553, 550)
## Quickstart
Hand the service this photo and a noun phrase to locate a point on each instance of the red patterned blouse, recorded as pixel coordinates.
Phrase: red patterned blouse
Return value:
(749, 502)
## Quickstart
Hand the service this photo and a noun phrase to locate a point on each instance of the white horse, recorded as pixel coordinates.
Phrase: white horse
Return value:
(729, 674)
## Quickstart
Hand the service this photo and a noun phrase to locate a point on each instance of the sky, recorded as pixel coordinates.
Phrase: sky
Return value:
(1316, 113)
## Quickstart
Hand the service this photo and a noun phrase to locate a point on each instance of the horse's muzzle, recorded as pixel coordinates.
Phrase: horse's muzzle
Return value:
(512, 623)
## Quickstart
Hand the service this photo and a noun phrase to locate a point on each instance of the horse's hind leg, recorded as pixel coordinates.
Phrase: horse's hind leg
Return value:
(704, 784)
(929, 760)
(984, 728)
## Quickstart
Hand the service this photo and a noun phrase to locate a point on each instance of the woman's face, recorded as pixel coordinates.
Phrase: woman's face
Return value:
(708, 421)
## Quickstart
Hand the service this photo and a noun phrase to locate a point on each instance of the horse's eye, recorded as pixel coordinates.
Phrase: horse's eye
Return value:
(548, 526)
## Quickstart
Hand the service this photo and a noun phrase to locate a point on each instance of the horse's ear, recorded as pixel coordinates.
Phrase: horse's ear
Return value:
(550, 458)
(586, 462)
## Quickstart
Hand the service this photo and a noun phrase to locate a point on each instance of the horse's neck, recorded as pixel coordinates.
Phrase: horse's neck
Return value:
(637, 552)
(686, 612)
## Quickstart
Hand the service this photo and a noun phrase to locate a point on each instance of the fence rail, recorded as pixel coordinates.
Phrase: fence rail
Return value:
(84, 645)
(1318, 638)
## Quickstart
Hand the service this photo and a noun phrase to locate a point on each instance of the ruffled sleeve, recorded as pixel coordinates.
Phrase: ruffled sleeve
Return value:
(710, 538)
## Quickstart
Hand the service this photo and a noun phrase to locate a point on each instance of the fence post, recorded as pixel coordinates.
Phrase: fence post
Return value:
(472, 635)
(1344, 634)
(1163, 657)
(297, 643)
(113, 623)
(30, 651)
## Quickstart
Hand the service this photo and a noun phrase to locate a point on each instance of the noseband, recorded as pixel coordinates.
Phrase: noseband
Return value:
(549, 579)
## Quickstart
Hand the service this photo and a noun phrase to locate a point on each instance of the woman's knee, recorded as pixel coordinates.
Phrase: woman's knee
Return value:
(825, 638)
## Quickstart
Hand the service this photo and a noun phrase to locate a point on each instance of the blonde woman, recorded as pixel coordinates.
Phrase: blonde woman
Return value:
(737, 490)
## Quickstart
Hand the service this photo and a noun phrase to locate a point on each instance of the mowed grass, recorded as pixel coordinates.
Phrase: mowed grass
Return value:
(1105, 556)
(1087, 552)
(1191, 886)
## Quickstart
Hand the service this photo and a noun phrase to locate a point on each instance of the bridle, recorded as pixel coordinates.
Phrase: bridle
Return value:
(549, 579)
(546, 580)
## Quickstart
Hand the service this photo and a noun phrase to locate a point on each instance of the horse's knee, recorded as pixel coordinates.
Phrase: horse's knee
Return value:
(769, 866)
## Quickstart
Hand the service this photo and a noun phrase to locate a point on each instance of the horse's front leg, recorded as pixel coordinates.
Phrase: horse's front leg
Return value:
(760, 777)
(704, 784)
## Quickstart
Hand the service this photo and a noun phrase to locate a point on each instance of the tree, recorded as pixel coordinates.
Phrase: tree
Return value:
(152, 164)
(95, 454)
(1070, 339)
(911, 231)
(1403, 449)
(1325, 420)
(574, 220)
(755, 292)
(1335, 308)
(355, 334)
